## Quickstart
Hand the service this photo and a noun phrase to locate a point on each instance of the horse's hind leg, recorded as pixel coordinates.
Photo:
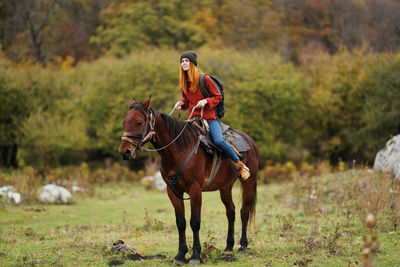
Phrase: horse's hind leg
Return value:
(226, 197)
(181, 224)
(248, 208)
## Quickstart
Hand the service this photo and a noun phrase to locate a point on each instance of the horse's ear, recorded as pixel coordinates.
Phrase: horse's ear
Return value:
(132, 103)
(146, 104)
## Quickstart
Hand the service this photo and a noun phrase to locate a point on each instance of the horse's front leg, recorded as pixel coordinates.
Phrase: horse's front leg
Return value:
(181, 224)
(195, 205)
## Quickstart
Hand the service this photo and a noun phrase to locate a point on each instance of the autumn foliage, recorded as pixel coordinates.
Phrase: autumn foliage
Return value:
(308, 80)
(88, 29)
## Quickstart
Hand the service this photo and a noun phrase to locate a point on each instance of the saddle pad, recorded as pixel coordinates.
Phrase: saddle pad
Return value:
(230, 136)
(224, 127)
(235, 139)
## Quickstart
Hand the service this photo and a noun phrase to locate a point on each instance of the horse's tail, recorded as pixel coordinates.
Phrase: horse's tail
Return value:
(251, 183)
(253, 204)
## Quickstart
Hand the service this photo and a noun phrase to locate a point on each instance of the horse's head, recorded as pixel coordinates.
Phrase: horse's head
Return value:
(138, 125)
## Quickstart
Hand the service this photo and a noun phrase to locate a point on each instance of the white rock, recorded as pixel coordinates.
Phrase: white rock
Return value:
(158, 182)
(155, 182)
(388, 158)
(5, 189)
(14, 197)
(77, 189)
(147, 179)
(120, 245)
(52, 194)
(10, 195)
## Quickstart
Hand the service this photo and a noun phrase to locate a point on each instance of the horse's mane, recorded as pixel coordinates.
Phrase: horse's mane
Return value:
(175, 127)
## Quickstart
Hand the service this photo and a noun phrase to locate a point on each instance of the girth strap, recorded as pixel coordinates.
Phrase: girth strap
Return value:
(214, 169)
(173, 179)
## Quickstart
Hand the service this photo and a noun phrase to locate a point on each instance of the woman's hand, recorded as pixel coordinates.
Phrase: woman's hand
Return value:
(201, 103)
(178, 105)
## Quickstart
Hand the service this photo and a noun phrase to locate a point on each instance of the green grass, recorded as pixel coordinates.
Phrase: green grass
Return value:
(287, 230)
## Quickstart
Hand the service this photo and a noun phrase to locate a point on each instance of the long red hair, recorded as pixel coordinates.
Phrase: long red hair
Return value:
(194, 77)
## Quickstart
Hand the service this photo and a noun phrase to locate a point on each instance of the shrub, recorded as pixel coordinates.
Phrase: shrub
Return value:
(278, 172)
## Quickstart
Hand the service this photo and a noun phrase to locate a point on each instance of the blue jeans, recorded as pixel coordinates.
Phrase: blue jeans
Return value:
(216, 133)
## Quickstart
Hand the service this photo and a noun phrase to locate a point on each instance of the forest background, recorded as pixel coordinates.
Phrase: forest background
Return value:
(309, 80)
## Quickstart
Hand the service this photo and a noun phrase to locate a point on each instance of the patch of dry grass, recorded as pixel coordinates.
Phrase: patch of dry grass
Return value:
(309, 221)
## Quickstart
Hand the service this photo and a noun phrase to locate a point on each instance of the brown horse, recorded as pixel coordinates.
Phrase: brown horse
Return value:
(174, 140)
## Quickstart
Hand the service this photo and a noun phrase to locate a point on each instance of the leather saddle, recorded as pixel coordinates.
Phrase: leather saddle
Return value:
(231, 137)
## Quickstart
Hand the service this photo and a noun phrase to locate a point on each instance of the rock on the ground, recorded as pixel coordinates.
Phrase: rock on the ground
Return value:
(147, 181)
(14, 197)
(121, 246)
(388, 158)
(5, 189)
(158, 183)
(53, 194)
(77, 189)
(8, 193)
(155, 182)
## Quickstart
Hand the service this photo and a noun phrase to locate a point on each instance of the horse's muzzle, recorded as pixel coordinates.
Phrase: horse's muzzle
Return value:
(127, 154)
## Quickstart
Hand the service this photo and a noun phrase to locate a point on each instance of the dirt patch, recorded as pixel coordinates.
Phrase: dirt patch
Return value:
(157, 256)
(137, 256)
(302, 262)
(115, 263)
(35, 209)
(227, 258)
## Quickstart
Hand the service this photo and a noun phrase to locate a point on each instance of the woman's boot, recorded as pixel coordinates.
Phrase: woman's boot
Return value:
(243, 170)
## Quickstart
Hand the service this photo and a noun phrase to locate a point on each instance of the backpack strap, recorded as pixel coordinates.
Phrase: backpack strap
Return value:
(203, 88)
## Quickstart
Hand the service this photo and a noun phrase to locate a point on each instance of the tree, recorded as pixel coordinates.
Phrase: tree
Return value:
(380, 113)
(249, 24)
(27, 20)
(164, 23)
(13, 113)
(43, 29)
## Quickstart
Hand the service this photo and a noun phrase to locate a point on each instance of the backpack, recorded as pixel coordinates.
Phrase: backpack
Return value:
(219, 109)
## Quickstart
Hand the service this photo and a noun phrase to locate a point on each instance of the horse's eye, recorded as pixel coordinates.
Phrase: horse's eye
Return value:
(140, 123)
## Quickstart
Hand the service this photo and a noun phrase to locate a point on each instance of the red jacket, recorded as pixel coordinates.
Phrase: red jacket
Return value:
(191, 99)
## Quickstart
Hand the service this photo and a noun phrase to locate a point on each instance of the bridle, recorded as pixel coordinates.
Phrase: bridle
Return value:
(150, 120)
(143, 138)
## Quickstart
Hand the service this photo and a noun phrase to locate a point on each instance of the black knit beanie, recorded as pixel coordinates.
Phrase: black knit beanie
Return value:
(191, 55)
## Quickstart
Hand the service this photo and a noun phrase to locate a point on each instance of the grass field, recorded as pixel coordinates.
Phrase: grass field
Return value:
(310, 221)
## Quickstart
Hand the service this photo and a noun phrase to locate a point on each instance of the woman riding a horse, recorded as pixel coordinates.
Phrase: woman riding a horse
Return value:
(189, 81)
(177, 143)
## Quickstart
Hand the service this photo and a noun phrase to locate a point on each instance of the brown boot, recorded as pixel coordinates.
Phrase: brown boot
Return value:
(243, 170)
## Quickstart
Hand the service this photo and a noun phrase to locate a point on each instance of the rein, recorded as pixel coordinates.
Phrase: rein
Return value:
(150, 119)
(184, 127)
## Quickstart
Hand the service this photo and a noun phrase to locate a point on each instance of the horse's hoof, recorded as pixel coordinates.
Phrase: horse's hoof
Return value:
(228, 249)
(179, 262)
(194, 262)
(241, 249)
